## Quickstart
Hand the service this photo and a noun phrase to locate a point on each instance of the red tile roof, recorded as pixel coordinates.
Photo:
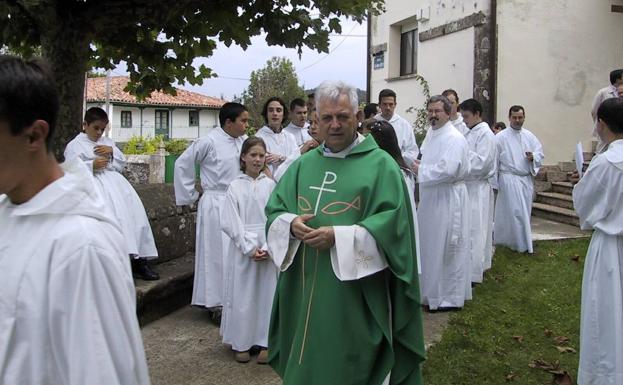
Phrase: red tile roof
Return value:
(96, 92)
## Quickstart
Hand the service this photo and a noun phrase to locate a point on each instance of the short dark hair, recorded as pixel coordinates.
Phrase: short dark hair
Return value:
(230, 111)
(447, 106)
(610, 111)
(298, 102)
(471, 105)
(500, 125)
(370, 110)
(94, 114)
(615, 75)
(310, 96)
(274, 99)
(516, 108)
(387, 93)
(450, 91)
(27, 93)
(246, 146)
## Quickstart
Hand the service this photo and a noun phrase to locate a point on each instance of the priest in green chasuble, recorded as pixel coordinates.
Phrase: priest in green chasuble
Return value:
(340, 229)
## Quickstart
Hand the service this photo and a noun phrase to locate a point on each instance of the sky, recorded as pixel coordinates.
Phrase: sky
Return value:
(345, 61)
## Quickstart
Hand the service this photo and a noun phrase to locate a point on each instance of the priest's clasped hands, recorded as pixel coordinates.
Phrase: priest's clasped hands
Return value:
(320, 238)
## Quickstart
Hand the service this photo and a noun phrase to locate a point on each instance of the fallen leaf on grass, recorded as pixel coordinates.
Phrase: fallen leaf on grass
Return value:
(548, 333)
(566, 349)
(575, 258)
(518, 338)
(561, 340)
(544, 365)
(511, 377)
(562, 379)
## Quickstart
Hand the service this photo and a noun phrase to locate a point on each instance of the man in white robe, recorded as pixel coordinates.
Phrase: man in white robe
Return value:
(482, 156)
(218, 154)
(298, 126)
(616, 79)
(67, 299)
(455, 117)
(520, 155)
(443, 213)
(404, 129)
(598, 200)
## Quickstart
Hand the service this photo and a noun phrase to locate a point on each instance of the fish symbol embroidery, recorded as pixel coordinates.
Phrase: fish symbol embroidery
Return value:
(338, 207)
(304, 204)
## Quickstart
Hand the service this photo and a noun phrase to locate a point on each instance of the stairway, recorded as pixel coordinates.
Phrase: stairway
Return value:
(555, 202)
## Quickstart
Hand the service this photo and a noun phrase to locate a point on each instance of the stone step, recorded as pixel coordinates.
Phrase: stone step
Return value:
(155, 299)
(562, 187)
(557, 176)
(555, 199)
(556, 214)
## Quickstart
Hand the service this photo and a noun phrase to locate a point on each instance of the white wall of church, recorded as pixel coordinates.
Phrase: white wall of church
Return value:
(553, 56)
(445, 62)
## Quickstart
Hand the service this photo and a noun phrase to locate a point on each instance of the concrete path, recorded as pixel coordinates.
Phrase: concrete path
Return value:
(185, 347)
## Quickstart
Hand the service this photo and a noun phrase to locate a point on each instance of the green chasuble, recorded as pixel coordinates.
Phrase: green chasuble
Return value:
(329, 332)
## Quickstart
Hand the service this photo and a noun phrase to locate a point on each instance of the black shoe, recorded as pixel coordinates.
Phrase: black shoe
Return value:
(141, 270)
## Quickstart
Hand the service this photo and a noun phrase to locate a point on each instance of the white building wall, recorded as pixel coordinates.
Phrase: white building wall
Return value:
(445, 62)
(553, 56)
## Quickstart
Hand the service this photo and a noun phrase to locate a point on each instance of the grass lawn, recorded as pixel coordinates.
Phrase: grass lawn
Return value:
(527, 309)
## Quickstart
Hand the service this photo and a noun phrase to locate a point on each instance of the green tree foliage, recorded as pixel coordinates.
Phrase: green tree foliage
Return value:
(159, 40)
(277, 78)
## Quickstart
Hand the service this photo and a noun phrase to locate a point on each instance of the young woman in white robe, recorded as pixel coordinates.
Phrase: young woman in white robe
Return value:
(598, 200)
(281, 146)
(251, 278)
(385, 137)
(106, 161)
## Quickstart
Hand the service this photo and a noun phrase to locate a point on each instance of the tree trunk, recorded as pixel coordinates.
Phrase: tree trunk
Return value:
(66, 47)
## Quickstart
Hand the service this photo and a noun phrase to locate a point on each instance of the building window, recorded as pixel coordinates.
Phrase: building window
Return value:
(126, 119)
(162, 123)
(193, 118)
(408, 52)
(379, 60)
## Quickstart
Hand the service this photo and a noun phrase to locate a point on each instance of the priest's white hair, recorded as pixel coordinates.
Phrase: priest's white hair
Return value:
(332, 89)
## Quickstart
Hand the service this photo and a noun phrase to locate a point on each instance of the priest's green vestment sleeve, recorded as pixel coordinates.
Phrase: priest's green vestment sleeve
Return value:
(324, 331)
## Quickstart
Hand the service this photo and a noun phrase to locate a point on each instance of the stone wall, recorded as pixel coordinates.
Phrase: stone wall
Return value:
(173, 226)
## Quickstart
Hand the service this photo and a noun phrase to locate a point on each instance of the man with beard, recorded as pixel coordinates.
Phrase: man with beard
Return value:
(520, 156)
(444, 211)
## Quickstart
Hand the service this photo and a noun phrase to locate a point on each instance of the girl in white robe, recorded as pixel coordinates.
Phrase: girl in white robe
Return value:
(598, 200)
(251, 278)
(106, 161)
(281, 147)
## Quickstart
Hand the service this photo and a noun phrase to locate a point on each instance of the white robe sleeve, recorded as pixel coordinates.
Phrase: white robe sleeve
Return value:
(446, 170)
(117, 162)
(537, 155)
(184, 173)
(232, 225)
(355, 254)
(281, 245)
(95, 338)
(411, 150)
(72, 151)
(482, 161)
(588, 197)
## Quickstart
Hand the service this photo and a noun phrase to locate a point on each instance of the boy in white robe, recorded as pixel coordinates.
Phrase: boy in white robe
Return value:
(281, 146)
(455, 117)
(520, 155)
(217, 154)
(443, 212)
(67, 300)
(298, 125)
(251, 276)
(598, 200)
(482, 154)
(107, 162)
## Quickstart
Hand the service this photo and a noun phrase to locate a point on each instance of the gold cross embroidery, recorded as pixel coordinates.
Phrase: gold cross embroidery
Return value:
(363, 260)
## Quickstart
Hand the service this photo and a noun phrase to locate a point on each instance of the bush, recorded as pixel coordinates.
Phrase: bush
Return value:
(175, 146)
(138, 145)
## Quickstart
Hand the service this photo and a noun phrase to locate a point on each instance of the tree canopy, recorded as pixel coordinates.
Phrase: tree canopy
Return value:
(277, 78)
(158, 40)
